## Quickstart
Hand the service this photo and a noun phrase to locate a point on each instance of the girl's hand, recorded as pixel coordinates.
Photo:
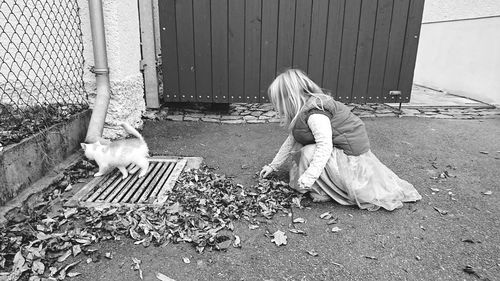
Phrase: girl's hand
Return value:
(305, 182)
(266, 170)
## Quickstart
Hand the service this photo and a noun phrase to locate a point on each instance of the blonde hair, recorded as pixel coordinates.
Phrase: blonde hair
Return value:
(289, 92)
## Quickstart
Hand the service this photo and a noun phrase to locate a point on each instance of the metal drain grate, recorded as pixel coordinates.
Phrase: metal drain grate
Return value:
(112, 190)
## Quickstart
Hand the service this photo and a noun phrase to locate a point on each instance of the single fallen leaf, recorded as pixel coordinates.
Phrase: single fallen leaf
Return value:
(312, 253)
(163, 277)
(470, 241)
(441, 211)
(38, 267)
(186, 260)
(336, 229)
(64, 271)
(299, 220)
(253, 226)
(484, 152)
(43, 236)
(297, 231)
(237, 242)
(435, 189)
(297, 202)
(333, 221)
(110, 212)
(326, 216)
(53, 270)
(48, 220)
(137, 266)
(65, 256)
(469, 269)
(69, 212)
(108, 255)
(279, 238)
(371, 257)
(489, 192)
(73, 274)
(83, 241)
(76, 250)
(134, 234)
(140, 241)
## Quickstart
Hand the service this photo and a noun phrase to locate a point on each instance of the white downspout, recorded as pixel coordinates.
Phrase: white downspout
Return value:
(101, 70)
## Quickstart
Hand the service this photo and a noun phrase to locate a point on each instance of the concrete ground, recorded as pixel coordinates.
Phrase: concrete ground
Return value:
(422, 96)
(454, 226)
(454, 229)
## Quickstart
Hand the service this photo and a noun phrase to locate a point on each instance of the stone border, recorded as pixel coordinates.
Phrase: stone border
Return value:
(24, 163)
(255, 113)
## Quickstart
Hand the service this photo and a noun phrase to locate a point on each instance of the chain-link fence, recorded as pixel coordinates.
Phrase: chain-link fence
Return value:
(41, 66)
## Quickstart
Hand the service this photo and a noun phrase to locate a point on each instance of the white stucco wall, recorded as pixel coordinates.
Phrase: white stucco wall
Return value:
(442, 10)
(121, 20)
(459, 48)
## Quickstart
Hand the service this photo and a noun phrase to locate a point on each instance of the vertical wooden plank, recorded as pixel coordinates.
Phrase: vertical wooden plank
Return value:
(253, 21)
(149, 53)
(319, 22)
(168, 38)
(268, 53)
(380, 46)
(333, 45)
(410, 49)
(348, 56)
(187, 80)
(286, 22)
(236, 50)
(364, 50)
(302, 36)
(219, 51)
(203, 50)
(156, 26)
(395, 50)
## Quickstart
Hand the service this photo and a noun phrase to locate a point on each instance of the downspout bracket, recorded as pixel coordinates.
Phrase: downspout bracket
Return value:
(99, 70)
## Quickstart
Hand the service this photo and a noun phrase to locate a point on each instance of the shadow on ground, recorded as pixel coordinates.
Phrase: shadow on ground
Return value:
(454, 226)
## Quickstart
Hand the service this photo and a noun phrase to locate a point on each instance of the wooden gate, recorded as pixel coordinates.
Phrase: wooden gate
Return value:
(224, 51)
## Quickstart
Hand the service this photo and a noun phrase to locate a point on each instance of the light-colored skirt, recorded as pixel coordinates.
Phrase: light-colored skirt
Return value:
(354, 180)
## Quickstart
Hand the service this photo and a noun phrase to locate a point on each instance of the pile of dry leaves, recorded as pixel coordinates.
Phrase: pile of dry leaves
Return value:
(18, 123)
(42, 237)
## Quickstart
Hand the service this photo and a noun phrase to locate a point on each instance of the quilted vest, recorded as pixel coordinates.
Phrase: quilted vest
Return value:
(349, 133)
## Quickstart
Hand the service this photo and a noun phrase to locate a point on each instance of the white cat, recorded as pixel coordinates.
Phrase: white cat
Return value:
(119, 153)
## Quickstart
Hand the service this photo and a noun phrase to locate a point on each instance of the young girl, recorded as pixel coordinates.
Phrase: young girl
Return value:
(331, 157)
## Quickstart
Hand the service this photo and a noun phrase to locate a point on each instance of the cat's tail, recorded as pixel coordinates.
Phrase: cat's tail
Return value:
(131, 130)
